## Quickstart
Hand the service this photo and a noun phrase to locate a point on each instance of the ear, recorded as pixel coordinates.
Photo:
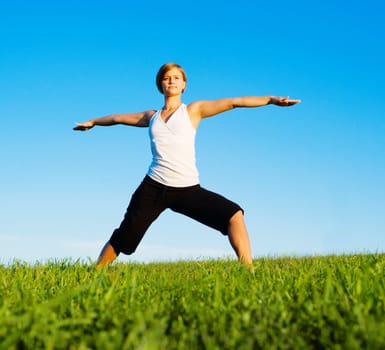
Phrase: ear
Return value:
(184, 86)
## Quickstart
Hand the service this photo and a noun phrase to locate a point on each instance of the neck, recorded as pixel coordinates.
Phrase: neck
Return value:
(172, 102)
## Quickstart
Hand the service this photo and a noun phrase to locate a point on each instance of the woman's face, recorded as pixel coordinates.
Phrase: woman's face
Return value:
(173, 82)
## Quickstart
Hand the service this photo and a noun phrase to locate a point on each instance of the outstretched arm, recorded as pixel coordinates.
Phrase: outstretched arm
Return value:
(203, 109)
(141, 119)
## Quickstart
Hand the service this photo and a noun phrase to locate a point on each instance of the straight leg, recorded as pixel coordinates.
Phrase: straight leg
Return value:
(239, 238)
(107, 255)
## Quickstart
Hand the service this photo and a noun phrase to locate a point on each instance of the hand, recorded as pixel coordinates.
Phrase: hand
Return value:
(84, 126)
(283, 101)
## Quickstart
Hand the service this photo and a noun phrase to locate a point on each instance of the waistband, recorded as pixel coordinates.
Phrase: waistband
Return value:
(154, 183)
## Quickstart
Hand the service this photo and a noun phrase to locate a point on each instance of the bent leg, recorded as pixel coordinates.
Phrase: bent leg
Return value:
(239, 238)
(145, 206)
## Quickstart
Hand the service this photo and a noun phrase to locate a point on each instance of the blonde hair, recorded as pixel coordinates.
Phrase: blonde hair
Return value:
(164, 69)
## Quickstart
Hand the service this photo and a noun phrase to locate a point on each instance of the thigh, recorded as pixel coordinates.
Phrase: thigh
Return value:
(206, 207)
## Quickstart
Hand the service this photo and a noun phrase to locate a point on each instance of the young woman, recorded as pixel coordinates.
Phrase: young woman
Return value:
(172, 179)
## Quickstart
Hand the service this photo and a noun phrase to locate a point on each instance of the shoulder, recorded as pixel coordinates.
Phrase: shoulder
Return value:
(143, 118)
(150, 113)
(207, 108)
(194, 108)
(195, 105)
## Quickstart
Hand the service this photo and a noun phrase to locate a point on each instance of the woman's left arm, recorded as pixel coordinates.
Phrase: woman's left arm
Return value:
(202, 109)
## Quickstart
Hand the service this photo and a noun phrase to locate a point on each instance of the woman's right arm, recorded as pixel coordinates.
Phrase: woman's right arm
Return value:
(141, 119)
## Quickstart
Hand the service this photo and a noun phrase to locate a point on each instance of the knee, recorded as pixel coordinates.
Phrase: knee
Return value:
(236, 218)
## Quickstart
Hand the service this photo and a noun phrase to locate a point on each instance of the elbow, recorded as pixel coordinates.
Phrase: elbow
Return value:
(236, 103)
(115, 119)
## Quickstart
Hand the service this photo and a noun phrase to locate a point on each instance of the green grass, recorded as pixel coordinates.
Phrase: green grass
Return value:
(332, 302)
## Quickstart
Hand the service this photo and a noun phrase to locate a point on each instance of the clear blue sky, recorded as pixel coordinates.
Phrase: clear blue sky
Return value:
(310, 177)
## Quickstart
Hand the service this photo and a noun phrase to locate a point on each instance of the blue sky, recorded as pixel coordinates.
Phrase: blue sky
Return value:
(310, 177)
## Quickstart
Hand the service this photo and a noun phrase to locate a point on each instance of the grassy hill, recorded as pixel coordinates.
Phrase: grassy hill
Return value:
(287, 303)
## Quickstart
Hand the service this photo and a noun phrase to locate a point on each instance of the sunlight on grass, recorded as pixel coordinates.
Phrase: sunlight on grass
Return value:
(287, 303)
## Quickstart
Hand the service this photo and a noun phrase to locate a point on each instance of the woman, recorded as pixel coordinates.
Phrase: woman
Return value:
(172, 179)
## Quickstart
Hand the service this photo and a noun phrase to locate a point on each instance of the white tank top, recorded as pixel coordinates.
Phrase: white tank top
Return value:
(173, 149)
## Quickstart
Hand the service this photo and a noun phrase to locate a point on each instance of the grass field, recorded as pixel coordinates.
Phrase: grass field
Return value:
(332, 302)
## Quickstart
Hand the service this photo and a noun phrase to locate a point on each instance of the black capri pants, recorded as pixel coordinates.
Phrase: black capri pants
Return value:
(152, 198)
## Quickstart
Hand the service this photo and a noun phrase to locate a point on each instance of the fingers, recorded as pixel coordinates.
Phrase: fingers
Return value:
(83, 126)
(293, 102)
(285, 101)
